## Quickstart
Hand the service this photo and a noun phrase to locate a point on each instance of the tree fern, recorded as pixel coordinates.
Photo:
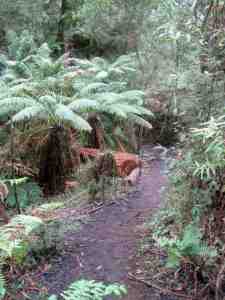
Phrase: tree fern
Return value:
(45, 107)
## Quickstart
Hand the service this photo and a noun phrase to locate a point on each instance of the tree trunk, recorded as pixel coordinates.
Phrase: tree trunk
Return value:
(96, 137)
(54, 161)
(61, 25)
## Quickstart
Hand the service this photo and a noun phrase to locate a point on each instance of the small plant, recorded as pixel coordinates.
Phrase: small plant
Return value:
(28, 193)
(14, 243)
(187, 249)
(210, 138)
(91, 290)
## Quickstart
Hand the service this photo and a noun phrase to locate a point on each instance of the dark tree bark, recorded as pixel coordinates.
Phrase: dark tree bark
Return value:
(54, 161)
(61, 25)
(96, 137)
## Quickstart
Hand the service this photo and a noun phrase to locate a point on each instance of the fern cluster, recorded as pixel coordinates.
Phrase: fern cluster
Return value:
(91, 290)
(46, 90)
(14, 242)
(189, 248)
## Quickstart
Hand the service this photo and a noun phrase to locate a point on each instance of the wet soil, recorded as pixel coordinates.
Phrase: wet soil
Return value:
(105, 248)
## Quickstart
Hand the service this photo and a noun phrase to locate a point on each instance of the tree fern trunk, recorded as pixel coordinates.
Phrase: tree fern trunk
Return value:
(53, 171)
(96, 137)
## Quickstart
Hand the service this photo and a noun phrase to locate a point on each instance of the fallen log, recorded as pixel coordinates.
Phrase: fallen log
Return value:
(132, 179)
(125, 162)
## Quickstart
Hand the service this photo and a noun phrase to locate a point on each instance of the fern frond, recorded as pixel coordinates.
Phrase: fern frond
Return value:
(92, 290)
(115, 110)
(66, 114)
(83, 105)
(140, 121)
(133, 96)
(30, 223)
(101, 62)
(206, 252)
(14, 104)
(29, 113)
(93, 87)
(122, 60)
(102, 75)
(84, 63)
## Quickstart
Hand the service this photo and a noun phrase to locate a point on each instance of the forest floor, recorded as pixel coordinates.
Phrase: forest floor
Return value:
(106, 247)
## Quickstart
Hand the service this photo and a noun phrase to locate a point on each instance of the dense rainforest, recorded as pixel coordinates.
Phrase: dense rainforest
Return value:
(112, 149)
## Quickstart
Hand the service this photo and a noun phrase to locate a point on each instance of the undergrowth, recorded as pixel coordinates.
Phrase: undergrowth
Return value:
(189, 229)
(91, 290)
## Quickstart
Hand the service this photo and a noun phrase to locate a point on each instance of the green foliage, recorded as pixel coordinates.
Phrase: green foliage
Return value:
(209, 149)
(35, 98)
(197, 178)
(20, 46)
(58, 94)
(91, 290)
(14, 244)
(111, 22)
(40, 18)
(28, 193)
(2, 286)
(189, 248)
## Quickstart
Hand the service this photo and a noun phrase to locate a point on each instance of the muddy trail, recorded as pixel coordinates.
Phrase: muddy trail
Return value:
(105, 248)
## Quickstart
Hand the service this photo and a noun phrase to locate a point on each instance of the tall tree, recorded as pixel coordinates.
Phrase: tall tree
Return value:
(62, 24)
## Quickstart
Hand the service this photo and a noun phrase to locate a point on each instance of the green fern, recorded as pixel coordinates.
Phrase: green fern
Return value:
(2, 285)
(13, 242)
(91, 290)
(189, 247)
(52, 92)
(47, 107)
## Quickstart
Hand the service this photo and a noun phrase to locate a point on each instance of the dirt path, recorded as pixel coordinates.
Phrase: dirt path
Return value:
(104, 248)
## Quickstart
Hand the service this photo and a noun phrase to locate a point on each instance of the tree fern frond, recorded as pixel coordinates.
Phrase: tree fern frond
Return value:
(144, 111)
(128, 70)
(82, 105)
(47, 100)
(115, 71)
(84, 63)
(14, 104)
(102, 75)
(128, 108)
(44, 51)
(115, 110)
(122, 60)
(19, 81)
(30, 223)
(108, 97)
(66, 114)
(99, 61)
(93, 87)
(118, 86)
(140, 121)
(133, 96)
(28, 113)
(79, 84)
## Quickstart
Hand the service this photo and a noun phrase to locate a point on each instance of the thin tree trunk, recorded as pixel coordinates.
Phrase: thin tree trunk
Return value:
(12, 150)
(61, 25)
(52, 170)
